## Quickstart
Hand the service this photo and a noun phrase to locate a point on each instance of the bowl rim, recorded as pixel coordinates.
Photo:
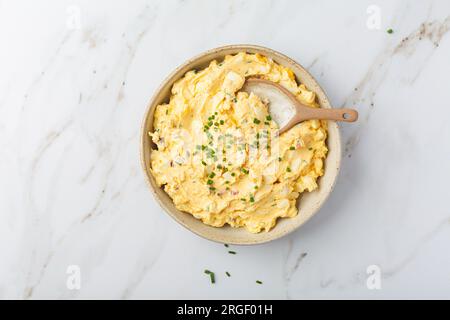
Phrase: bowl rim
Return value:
(143, 133)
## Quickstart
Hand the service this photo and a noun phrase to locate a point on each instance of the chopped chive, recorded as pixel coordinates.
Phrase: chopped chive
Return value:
(233, 174)
(256, 121)
(244, 170)
(212, 188)
(210, 123)
(255, 187)
(234, 100)
(211, 276)
(292, 148)
(221, 121)
(258, 282)
(279, 159)
(212, 175)
(232, 252)
(226, 245)
(266, 123)
(228, 274)
(288, 169)
(268, 118)
(209, 182)
(390, 31)
(203, 163)
(227, 182)
(310, 148)
(252, 199)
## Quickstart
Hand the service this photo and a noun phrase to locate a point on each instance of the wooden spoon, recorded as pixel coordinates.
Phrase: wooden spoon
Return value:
(287, 111)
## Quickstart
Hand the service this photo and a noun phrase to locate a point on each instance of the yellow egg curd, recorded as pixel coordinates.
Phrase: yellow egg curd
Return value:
(218, 154)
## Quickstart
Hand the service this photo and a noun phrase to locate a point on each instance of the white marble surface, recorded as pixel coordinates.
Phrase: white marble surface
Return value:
(74, 83)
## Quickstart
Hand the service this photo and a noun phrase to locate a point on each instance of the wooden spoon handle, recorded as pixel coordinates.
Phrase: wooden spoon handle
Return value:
(343, 114)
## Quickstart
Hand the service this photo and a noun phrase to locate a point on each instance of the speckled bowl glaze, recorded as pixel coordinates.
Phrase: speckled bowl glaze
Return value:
(308, 203)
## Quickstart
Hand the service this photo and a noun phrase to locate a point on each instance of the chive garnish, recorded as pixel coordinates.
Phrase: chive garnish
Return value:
(211, 276)
(232, 252)
(233, 174)
(244, 170)
(256, 121)
(268, 118)
(390, 31)
(288, 169)
(279, 159)
(221, 122)
(212, 175)
(203, 163)
(252, 199)
(226, 245)
(258, 282)
(292, 148)
(209, 182)
(228, 274)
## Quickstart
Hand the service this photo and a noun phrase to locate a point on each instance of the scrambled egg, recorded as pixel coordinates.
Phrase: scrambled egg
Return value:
(218, 153)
